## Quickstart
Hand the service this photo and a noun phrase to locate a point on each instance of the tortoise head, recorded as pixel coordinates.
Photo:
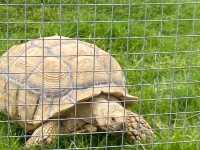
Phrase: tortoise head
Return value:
(109, 114)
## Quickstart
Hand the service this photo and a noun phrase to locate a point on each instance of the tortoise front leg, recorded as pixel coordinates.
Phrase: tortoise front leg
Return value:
(138, 128)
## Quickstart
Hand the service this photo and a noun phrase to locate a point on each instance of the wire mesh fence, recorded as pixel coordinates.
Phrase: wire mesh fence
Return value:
(48, 73)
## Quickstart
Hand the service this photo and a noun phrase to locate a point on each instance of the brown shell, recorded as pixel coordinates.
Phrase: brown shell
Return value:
(48, 75)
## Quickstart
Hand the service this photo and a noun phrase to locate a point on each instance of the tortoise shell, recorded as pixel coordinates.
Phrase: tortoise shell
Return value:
(45, 76)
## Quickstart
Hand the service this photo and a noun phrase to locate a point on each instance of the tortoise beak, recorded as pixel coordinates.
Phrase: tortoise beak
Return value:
(117, 127)
(113, 127)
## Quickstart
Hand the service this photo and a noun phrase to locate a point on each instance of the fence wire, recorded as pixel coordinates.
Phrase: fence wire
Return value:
(156, 43)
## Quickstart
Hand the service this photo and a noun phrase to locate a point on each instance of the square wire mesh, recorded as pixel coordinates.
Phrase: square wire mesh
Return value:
(155, 42)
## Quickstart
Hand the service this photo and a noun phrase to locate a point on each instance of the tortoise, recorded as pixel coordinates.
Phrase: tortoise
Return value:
(56, 84)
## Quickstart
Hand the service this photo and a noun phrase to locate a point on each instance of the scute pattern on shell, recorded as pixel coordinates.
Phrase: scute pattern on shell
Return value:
(58, 72)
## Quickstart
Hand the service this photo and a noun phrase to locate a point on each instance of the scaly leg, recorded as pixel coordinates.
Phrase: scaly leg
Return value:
(138, 128)
(47, 133)
(44, 134)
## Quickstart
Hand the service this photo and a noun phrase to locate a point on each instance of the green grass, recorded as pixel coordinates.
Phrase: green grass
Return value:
(161, 61)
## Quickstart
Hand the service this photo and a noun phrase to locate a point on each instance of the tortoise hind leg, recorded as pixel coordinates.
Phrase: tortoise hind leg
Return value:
(47, 133)
(44, 134)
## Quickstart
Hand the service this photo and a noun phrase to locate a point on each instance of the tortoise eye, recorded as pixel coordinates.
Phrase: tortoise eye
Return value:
(113, 119)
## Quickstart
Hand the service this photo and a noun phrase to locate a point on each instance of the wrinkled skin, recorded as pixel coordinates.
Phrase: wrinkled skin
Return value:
(99, 113)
